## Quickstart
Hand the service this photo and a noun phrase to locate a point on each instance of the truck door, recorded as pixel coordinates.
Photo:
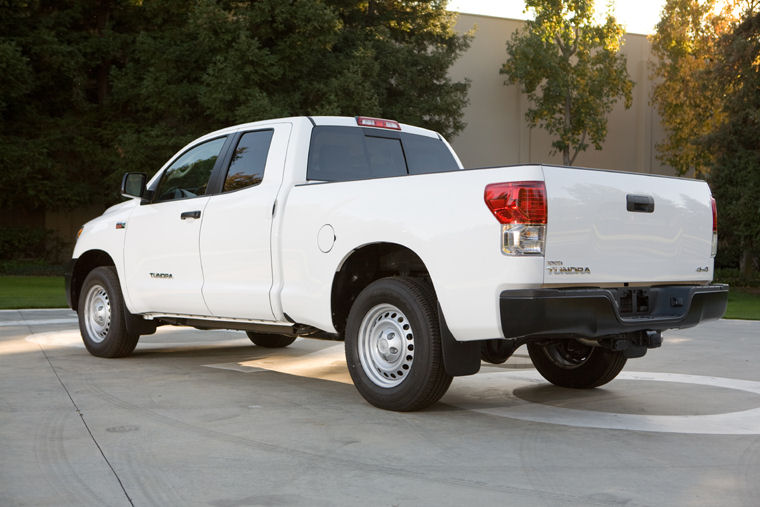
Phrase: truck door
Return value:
(161, 251)
(235, 239)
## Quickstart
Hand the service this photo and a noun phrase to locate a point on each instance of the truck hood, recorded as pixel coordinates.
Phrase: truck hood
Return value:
(122, 208)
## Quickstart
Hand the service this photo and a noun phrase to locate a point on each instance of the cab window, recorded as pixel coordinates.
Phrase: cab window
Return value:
(189, 174)
(248, 160)
(350, 153)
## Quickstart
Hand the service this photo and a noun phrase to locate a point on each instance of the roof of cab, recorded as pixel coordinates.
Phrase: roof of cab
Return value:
(337, 121)
(350, 121)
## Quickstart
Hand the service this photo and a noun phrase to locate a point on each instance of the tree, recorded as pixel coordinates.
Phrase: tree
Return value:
(707, 98)
(572, 71)
(689, 105)
(52, 56)
(735, 175)
(90, 89)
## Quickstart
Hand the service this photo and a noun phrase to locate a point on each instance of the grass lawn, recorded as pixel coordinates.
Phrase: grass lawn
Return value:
(48, 292)
(743, 304)
(32, 292)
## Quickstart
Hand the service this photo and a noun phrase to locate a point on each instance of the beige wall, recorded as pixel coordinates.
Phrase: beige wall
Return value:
(496, 132)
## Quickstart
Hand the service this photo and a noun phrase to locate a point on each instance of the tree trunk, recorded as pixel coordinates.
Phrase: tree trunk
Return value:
(566, 156)
(747, 262)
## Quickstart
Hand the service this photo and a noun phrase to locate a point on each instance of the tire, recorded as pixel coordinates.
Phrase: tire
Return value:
(393, 345)
(271, 341)
(570, 363)
(103, 316)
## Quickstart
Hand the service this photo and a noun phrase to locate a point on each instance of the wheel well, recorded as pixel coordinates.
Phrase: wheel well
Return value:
(84, 264)
(365, 265)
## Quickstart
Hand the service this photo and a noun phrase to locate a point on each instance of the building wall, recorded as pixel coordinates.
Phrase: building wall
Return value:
(497, 133)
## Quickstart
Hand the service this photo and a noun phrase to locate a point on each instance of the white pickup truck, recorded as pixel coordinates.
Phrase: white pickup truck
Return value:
(370, 231)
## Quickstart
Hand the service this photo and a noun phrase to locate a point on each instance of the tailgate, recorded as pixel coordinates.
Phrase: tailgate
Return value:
(610, 227)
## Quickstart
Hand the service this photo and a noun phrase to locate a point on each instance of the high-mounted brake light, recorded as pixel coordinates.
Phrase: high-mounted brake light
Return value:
(520, 206)
(714, 248)
(364, 121)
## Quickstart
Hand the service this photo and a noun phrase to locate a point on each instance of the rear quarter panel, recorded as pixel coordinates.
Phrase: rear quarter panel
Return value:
(441, 217)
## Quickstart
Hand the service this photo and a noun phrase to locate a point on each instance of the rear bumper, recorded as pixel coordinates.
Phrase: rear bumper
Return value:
(593, 313)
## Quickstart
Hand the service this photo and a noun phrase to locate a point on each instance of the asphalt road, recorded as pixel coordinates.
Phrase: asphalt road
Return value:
(206, 418)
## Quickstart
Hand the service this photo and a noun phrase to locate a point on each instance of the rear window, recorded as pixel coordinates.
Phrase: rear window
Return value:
(427, 155)
(351, 153)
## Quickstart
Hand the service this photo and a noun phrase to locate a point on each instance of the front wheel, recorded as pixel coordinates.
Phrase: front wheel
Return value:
(103, 316)
(270, 341)
(570, 363)
(393, 345)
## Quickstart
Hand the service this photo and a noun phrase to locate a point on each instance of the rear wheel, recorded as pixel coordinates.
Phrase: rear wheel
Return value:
(271, 341)
(103, 316)
(393, 345)
(570, 363)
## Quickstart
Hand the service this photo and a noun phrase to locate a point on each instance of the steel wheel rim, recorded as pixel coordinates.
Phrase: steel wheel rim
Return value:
(386, 345)
(97, 313)
(569, 354)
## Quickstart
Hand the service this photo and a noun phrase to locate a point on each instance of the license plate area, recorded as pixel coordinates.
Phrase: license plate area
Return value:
(634, 302)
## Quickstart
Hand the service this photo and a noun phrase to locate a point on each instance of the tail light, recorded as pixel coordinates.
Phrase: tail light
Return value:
(714, 249)
(520, 207)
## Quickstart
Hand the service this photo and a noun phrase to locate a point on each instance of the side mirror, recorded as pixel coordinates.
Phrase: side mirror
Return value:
(133, 184)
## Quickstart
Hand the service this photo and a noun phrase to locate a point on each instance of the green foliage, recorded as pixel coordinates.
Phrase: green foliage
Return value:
(690, 106)
(707, 95)
(30, 267)
(22, 243)
(735, 175)
(51, 143)
(735, 278)
(90, 89)
(572, 71)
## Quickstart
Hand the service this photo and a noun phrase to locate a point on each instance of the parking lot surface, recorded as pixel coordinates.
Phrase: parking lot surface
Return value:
(206, 418)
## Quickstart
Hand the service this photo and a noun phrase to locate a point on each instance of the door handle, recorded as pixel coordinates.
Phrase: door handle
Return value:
(639, 203)
(190, 214)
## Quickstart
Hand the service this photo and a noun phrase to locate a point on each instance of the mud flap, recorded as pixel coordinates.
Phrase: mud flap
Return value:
(459, 358)
(137, 325)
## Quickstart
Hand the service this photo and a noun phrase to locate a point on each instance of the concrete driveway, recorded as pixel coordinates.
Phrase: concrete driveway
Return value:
(206, 418)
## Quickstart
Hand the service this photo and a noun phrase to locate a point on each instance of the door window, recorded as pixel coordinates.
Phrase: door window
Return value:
(248, 160)
(189, 174)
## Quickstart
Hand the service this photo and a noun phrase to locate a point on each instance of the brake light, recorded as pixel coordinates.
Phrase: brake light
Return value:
(520, 202)
(714, 247)
(520, 207)
(364, 121)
